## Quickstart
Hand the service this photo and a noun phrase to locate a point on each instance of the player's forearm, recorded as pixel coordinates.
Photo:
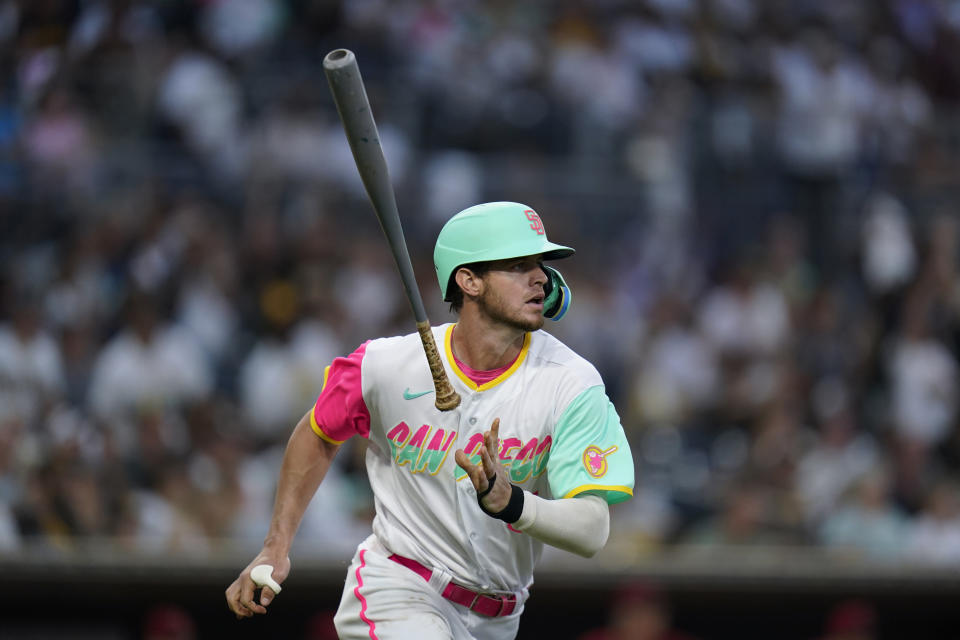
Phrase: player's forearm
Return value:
(305, 463)
(579, 525)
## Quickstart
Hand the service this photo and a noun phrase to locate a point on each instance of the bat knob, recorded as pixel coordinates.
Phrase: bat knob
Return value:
(338, 58)
(447, 401)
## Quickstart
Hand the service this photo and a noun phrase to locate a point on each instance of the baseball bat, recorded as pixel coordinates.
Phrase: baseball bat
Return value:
(350, 96)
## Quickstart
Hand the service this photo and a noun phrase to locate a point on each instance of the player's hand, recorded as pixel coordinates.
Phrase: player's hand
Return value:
(241, 595)
(480, 474)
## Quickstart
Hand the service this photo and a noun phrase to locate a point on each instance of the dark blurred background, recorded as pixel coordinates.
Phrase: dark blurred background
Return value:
(763, 195)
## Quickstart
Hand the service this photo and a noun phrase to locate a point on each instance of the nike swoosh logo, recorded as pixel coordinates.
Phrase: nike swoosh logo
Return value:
(410, 396)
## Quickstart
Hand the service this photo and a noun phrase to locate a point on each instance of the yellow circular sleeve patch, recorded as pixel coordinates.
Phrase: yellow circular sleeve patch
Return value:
(595, 460)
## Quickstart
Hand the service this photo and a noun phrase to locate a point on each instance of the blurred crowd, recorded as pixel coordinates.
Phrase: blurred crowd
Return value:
(643, 611)
(763, 197)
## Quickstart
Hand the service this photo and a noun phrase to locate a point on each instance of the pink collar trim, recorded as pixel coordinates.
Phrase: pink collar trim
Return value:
(481, 377)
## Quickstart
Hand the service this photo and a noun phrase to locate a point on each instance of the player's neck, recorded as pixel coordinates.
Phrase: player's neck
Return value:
(484, 346)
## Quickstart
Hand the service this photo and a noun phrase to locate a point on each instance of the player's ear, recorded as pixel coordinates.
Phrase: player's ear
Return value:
(469, 281)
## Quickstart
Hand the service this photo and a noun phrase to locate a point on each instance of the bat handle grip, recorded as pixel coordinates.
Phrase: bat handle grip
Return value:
(446, 398)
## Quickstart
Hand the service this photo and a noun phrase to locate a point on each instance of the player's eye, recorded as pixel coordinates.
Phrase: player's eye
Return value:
(523, 265)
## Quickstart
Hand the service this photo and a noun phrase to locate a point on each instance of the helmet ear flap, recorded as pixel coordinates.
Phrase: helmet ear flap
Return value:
(557, 296)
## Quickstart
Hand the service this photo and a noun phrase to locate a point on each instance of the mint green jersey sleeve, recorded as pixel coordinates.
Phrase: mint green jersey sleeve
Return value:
(590, 452)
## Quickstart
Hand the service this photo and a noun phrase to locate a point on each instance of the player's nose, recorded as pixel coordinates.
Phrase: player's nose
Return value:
(538, 276)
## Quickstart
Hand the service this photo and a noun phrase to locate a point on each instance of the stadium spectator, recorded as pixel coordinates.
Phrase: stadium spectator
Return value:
(851, 620)
(168, 622)
(933, 537)
(639, 611)
(148, 365)
(867, 522)
(31, 365)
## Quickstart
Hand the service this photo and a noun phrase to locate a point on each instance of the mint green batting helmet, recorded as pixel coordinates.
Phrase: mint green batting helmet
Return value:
(491, 231)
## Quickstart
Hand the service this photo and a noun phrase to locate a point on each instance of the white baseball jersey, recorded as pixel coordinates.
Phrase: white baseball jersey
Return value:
(560, 437)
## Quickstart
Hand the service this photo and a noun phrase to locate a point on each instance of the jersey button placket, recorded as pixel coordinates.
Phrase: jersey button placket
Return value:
(469, 511)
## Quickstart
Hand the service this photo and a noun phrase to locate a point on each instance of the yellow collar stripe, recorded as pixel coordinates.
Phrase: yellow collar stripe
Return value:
(448, 344)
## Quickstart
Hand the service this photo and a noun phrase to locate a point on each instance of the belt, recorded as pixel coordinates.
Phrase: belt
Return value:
(488, 604)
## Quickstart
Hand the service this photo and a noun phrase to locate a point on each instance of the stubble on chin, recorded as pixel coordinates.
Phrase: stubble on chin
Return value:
(494, 309)
(534, 325)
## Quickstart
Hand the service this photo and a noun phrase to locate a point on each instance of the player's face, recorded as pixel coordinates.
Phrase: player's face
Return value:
(513, 293)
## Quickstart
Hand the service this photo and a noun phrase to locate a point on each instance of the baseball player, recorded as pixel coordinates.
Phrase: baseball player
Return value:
(465, 499)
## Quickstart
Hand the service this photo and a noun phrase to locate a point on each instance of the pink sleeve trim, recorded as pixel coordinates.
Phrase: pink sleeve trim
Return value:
(340, 411)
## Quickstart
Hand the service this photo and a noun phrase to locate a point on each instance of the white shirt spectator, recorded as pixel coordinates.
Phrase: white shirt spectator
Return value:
(754, 321)
(31, 369)
(79, 297)
(934, 536)
(206, 312)
(601, 84)
(200, 96)
(935, 542)
(822, 105)
(923, 376)
(868, 523)
(129, 373)
(238, 27)
(314, 346)
(280, 380)
(162, 526)
(829, 468)
(679, 374)
(889, 257)
(366, 290)
(453, 181)
(655, 47)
